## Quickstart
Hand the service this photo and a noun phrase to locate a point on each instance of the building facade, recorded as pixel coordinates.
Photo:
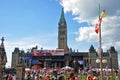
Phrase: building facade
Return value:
(52, 58)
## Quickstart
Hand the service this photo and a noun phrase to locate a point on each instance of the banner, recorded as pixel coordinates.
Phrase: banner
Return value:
(36, 52)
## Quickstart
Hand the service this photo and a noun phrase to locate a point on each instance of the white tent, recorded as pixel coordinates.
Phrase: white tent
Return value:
(67, 68)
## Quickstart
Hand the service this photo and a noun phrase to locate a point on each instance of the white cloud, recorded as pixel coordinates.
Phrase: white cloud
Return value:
(87, 11)
(86, 34)
(110, 33)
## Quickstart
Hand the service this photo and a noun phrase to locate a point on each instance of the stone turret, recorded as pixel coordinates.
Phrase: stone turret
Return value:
(113, 55)
(91, 49)
(92, 56)
(3, 57)
(15, 57)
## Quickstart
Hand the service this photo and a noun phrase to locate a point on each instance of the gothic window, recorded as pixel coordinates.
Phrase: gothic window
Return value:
(63, 39)
(62, 32)
(62, 24)
(60, 39)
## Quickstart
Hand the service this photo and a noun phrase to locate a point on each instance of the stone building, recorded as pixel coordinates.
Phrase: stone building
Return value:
(18, 55)
(82, 59)
(111, 56)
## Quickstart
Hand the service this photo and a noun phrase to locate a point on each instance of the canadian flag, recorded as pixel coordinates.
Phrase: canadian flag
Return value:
(97, 25)
(103, 14)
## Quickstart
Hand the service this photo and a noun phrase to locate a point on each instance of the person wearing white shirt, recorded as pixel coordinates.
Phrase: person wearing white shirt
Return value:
(14, 77)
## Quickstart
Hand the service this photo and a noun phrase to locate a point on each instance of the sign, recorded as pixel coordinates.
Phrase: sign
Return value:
(36, 52)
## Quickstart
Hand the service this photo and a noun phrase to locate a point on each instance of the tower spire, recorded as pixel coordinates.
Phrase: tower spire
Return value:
(2, 43)
(62, 18)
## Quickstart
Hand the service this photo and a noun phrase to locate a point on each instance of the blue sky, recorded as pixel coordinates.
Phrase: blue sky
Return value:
(26, 23)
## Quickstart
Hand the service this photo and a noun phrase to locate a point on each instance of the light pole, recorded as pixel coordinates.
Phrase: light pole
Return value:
(97, 61)
(103, 14)
(74, 62)
(104, 61)
(100, 60)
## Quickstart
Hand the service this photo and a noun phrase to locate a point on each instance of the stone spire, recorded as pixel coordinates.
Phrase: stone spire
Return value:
(62, 18)
(2, 50)
(91, 49)
(2, 43)
(3, 57)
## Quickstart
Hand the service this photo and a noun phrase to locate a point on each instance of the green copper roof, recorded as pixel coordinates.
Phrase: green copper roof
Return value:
(62, 18)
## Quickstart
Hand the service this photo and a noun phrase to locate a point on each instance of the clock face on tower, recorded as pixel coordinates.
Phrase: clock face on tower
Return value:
(62, 24)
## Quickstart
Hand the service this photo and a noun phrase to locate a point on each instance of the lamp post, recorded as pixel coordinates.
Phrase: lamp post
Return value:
(97, 61)
(74, 62)
(100, 60)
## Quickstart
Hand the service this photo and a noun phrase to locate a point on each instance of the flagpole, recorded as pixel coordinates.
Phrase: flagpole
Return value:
(100, 44)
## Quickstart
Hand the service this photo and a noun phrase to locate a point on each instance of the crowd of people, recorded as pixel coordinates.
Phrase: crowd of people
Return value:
(9, 77)
(63, 74)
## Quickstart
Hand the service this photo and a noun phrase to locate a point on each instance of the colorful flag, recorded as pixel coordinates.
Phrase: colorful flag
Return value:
(97, 26)
(103, 14)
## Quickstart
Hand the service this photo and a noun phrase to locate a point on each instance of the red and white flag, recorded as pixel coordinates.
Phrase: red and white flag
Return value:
(103, 14)
(97, 26)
